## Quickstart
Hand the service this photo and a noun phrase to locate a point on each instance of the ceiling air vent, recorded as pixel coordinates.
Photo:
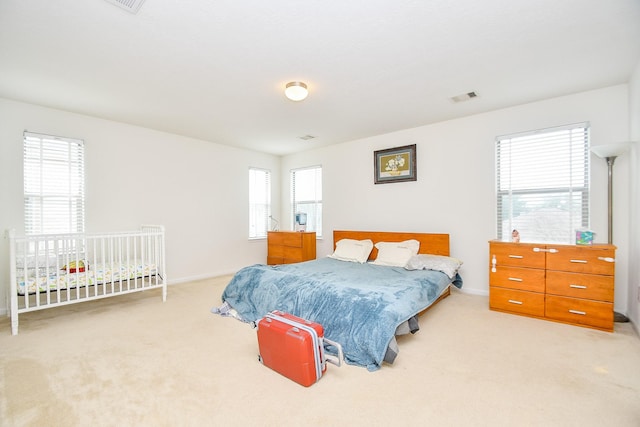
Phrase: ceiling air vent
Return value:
(129, 5)
(464, 97)
(306, 137)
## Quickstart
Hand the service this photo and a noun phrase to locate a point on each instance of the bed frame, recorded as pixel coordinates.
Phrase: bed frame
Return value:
(51, 270)
(430, 243)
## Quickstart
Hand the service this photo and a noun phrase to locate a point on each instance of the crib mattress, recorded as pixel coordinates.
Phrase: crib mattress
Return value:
(96, 275)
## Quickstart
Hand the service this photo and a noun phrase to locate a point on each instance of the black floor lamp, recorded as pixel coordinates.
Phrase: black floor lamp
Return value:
(610, 152)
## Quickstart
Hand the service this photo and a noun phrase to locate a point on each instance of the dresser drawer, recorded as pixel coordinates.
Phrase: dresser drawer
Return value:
(276, 251)
(271, 260)
(578, 311)
(588, 259)
(525, 279)
(516, 254)
(521, 302)
(286, 239)
(291, 254)
(288, 252)
(585, 286)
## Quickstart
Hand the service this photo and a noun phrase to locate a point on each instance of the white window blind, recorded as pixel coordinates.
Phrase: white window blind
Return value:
(53, 184)
(259, 202)
(543, 184)
(306, 197)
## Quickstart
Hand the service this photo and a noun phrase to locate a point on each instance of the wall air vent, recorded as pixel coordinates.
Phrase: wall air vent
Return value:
(464, 97)
(129, 5)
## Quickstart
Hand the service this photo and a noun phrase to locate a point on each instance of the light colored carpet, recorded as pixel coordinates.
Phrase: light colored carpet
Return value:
(135, 361)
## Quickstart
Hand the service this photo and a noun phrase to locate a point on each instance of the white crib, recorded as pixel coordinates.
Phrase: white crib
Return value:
(51, 270)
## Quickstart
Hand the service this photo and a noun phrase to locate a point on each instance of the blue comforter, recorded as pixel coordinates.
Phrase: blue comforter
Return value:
(359, 305)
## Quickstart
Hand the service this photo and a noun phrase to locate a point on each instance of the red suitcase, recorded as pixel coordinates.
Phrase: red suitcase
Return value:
(294, 347)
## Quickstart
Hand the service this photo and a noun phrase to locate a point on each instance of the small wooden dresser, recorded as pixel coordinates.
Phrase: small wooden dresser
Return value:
(564, 283)
(287, 247)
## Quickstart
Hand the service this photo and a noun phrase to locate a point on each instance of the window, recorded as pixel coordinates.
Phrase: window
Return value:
(542, 182)
(306, 197)
(53, 184)
(259, 202)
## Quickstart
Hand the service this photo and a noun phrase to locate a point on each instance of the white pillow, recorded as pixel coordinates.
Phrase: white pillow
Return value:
(447, 265)
(353, 250)
(396, 254)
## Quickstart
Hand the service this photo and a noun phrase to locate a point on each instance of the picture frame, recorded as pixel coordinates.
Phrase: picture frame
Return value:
(396, 164)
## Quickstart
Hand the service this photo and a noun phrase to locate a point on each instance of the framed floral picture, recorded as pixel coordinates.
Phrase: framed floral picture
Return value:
(395, 164)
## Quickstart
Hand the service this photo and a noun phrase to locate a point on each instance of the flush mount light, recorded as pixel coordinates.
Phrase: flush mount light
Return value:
(296, 91)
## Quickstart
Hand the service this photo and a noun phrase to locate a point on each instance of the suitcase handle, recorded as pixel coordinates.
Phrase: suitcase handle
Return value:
(333, 359)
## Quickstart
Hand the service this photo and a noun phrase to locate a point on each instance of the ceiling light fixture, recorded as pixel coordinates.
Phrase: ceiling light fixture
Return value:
(296, 91)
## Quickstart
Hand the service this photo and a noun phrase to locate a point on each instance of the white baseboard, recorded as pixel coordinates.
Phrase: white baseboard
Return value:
(480, 292)
(199, 277)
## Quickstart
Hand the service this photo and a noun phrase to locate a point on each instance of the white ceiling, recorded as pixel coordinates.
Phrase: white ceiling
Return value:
(216, 70)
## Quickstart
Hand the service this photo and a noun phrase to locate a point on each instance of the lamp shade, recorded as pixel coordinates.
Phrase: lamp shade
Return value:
(611, 150)
(296, 91)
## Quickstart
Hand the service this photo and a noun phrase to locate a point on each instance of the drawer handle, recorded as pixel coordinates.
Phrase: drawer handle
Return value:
(515, 279)
(578, 286)
(512, 301)
(578, 261)
(606, 259)
(581, 313)
(553, 251)
(516, 256)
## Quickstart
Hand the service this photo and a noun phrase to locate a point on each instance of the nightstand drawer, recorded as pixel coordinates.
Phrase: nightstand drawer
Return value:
(588, 259)
(583, 312)
(521, 302)
(525, 279)
(516, 254)
(585, 286)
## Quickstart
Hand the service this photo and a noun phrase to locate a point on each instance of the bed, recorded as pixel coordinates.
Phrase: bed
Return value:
(361, 304)
(51, 270)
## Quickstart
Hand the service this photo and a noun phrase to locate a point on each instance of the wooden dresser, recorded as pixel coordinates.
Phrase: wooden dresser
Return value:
(287, 247)
(564, 283)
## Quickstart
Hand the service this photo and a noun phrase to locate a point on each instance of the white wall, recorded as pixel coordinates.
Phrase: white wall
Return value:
(634, 131)
(198, 190)
(455, 189)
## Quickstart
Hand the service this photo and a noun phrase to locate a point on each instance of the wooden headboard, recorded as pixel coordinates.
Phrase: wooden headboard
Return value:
(430, 243)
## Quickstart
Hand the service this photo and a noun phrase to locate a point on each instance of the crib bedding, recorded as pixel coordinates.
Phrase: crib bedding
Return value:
(359, 305)
(96, 275)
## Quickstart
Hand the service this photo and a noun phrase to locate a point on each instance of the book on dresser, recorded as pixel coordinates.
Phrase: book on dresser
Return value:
(564, 283)
(288, 247)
